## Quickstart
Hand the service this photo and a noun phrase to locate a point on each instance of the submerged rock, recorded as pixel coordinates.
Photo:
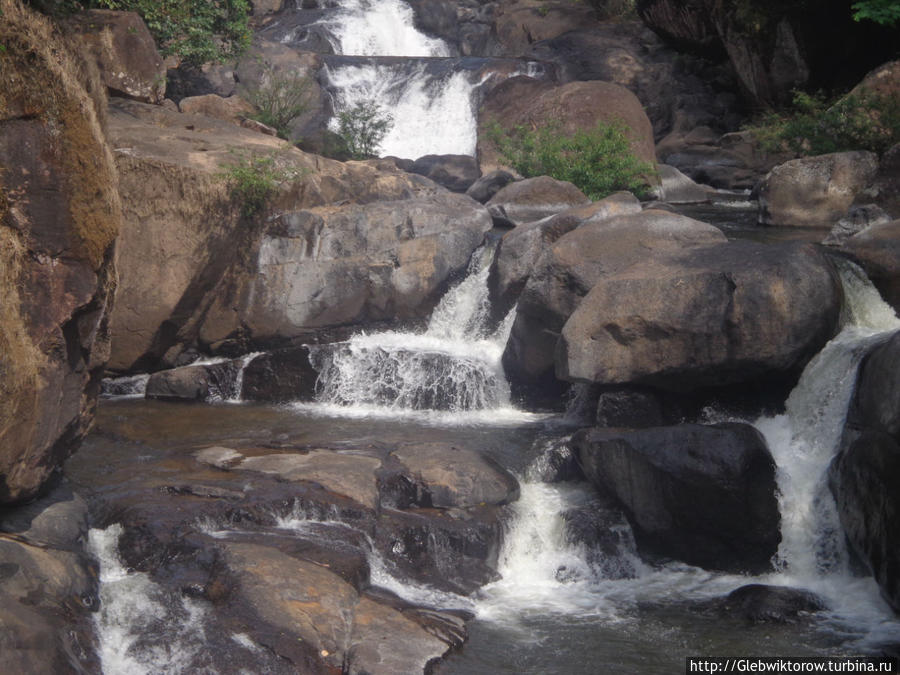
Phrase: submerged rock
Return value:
(759, 603)
(701, 494)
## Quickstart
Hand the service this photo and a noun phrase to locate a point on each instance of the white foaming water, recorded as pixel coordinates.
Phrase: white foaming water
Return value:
(450, 374)
(431, 114)
(139, 630)
(236, 397)
(381, 28)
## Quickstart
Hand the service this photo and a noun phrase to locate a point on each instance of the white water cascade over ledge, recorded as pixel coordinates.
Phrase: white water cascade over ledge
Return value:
(431, 98)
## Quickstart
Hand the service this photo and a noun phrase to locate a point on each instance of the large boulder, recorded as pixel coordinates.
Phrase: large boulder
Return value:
(701, 494)
(349, 263)
(125, 51)
(570, 107)
(570, 268)
(707, 316)
(877, 250)
(59, 217)
(531, 199)
(815, 191)
(520, 248)
(864, 475)
(181, 221)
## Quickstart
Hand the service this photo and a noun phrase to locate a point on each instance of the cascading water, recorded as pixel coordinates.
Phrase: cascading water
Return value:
(451, 373)
(430, 97)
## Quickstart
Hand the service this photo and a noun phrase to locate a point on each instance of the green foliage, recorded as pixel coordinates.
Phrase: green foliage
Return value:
(198, 31)
(864, 121)
(362, 128)
(279, 97)
(598, 161)
(254, 179)
(885, 12)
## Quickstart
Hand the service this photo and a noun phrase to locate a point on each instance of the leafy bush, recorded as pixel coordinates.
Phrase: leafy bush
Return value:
(362, 128)
(254, 179)
(279, 97)
(197, 31)
(885, 12)
(864, 121)
(598, 161)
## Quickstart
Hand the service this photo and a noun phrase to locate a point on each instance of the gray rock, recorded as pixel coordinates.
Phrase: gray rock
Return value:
(701, 494)
(815, 191)
(531, 199)
(280, 376)
(707, 316)
(858, 218)
(457, 173)
(483, 189)
(759, 603)
(676, 188)
(215, 382)
(877, 250)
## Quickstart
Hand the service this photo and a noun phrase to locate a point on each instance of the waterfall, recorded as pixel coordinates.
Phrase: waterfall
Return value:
(450, 373)
(804, 440)
(381, 28)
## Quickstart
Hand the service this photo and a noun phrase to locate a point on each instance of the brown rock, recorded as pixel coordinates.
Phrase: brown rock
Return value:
(877, 250)
(231, 109)
(531, 199)
(520, 23)
(59, 215)
(125, 51)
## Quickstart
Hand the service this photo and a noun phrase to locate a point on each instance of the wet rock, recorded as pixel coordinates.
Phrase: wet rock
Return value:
(557, 463)
(877, 250)
(632, 408)
(450, 477)
(701, 494)
(570, 107)
(815, 191)
(864, 474)
(570, 268)
(531, 199)
(451, 549)
(704, 317)
(758, 603)
(604, 533)
(483, 189)
(215, 382)
(520, 249)
(280, 376)
(352, 476)
(48, 586)
(125, 52)
(60, 214)
(308, 615)
(457, 173)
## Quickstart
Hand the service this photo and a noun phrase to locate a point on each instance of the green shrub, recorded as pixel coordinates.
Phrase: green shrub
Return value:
(885, 12)
(279, 97)
(864, 121)
(254, 179)
(598, 161)
(362, 128)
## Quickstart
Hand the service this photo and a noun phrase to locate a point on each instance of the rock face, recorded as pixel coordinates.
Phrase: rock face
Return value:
(531, 199)
(864, 475)
(396, 239)
(707, 316)
(49, 587)
(815, 191)
(570, 107)
(570, 268)
(877, 250)
(701, 494)
(59, 216)
(125, 51)
(520, 249)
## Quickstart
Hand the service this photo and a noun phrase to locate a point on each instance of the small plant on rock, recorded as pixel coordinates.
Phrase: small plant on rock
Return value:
(363, 128)
(254, 179)
(279, 97)
(598, 161)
